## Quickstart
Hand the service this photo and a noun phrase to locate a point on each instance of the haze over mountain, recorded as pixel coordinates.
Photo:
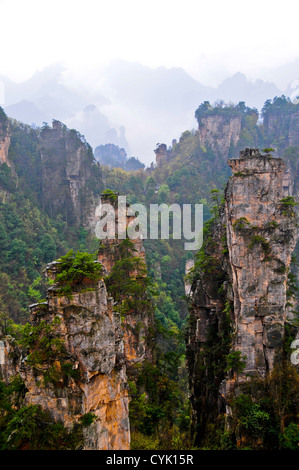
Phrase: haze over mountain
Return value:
(132, 105)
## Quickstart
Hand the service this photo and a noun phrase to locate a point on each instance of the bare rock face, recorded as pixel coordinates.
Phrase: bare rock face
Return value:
(239, 299)
(261, 236)
(137, 326)
(188, 266)
(85, 370)
(69, 172)
(219, 133)
(4, 146)
(4, 139)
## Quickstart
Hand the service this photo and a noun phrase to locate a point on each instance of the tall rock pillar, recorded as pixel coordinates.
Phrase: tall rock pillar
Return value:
(261, 236)
(241, 294)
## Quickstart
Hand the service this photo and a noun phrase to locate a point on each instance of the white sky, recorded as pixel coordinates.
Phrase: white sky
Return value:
(208, 38)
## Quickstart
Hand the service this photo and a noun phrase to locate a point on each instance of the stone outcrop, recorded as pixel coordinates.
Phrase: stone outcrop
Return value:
(162, 154)
(239, 297)
(261, 236)
(88, 375)
(188, 266)
(281, 128)
(220, 133)
(138, 327)
(5, 136)
(4, 141)
(69, 172)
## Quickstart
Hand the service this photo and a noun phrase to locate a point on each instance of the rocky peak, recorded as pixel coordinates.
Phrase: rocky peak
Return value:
(247, 153)
(162, 154)
(84, 371)
(242, 281)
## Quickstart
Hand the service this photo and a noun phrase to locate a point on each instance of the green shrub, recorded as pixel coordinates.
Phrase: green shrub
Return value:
(235, 362)
(259, 240)
(289, 439)
(109, 194)
(32, 428)
(287, 205)
(87, 419)
(241, 224)
(75, 269)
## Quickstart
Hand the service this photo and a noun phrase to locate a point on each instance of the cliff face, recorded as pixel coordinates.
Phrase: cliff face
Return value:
(70, 173)
(261, 235)
(66, 177)
(281, 128)
(208, 335)
(138, 323)
(4, 141)
(239, 298)
(219, 133)
(84, 372)
(4, 146)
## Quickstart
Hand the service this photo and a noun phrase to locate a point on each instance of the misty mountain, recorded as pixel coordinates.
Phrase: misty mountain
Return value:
(95, 126)
(238, 88)
(161, 88)
(282, 75)
(127, 104)
(27, 112)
